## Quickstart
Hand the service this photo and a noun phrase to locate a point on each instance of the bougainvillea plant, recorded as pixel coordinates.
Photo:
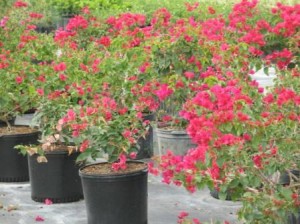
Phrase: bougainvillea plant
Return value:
(17, 37)
(246, 140)
(92, 82)
(104, 129)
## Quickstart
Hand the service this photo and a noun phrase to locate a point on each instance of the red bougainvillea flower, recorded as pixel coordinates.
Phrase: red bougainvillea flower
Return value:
(3, 21)
(257, 160)
(40, 91)
(39, 219)
(282, 58)
(48, 201)
(19, 79)
(211, 10)
(153, 170)
(183, 215)
(167, 118)
(77, 22)
(62, 36)
(163, 92)
(84, 145)
(191, 7)
(60, 67)
(36, 15)
(20, 4)
(105, 41)
(189, 75)
(132, 155)
(62, 77)
(121, 165)
(85, 10)
(144, 67)
(196, 221)
(71, 115)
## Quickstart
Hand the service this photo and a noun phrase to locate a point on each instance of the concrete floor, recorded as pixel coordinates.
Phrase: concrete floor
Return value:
(165, 202)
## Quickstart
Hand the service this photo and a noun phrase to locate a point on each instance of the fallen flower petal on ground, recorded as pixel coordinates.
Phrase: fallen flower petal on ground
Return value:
(48, 201)
(39, 219)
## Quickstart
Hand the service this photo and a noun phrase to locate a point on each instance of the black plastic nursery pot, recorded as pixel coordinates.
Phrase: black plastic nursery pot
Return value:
(285, 179)
(57, 179)
(215, 194)
(13, 165)
(294, 219)
(116, 198)
(146, 144)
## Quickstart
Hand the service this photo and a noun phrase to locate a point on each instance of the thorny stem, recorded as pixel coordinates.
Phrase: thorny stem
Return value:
(294, 185)
(253, 190)
(293, 177)
(8, 125)
(268, 180)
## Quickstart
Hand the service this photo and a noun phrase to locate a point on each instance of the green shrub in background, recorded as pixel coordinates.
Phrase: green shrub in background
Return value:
(177, 7)
(50, 15)
(71, 7)
(4, 6)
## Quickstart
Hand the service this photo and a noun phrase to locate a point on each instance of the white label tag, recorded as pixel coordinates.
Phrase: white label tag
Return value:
(25, 119)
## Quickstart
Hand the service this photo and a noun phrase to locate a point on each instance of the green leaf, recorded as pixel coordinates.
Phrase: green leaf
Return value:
(266, 70)
(287, 193)
(220, 161)
(82, 157)
(222, 195)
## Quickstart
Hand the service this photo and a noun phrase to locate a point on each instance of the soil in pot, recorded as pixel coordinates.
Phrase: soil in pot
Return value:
(115, 197)
(15, 130)
(13, 165)
(57, 179)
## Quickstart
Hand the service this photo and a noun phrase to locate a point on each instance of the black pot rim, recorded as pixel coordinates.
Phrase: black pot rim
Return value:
(20, 134)
(60, 152)
(112, 176)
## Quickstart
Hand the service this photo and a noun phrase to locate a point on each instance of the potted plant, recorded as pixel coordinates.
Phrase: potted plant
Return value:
(70, 8)
(48, 16)
(122, 68)
(260, 148)
(53, 161)
(17, 90)
(52, 164)
(245, 139)
(187, 62)
(67, 84)
(106, 129)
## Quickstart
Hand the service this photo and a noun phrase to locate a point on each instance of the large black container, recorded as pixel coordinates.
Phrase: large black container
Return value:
(116, 199)
(292, 219)
(56, 179)
(13, 165)
(215, 194)
(285, 180)
(146, 144)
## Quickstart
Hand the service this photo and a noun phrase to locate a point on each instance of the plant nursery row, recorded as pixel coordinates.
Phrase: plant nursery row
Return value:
(95, 79)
